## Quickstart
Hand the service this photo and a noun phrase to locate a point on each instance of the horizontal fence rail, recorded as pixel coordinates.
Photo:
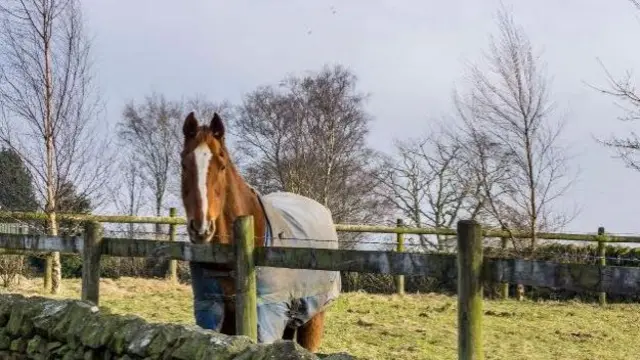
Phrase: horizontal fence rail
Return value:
(570, 276)
(176, 220)
(42, 243)
(170, 250)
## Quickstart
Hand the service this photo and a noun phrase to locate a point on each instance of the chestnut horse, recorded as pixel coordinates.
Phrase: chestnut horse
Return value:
(214, 194)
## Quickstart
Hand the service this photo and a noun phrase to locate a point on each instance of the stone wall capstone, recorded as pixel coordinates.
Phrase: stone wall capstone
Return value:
(42, 328)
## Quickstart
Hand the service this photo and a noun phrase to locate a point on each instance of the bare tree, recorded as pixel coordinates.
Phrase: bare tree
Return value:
(426, 182)
(50, 103)
(488, 166)
(308, 136)
(128, 194)
(627, 147)
(509, 100)
(151, 131)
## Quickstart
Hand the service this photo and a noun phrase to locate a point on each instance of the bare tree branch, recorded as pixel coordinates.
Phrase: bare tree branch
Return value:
(507, 114)
(425, 181)
(627, 98)
(308, 136)
(150, 131)
(128, 194)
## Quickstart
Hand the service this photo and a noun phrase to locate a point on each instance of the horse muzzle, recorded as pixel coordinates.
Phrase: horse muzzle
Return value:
(201, 233)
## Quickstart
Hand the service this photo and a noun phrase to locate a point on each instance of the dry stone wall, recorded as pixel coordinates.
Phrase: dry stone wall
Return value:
(42, 328)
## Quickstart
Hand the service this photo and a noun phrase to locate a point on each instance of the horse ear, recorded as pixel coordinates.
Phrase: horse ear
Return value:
(190, 127)
(217, 127)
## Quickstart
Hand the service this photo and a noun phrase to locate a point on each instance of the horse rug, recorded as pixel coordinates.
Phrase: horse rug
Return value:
(286, 297)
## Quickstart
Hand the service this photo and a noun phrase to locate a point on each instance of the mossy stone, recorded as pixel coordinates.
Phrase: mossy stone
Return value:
(280, 349)
(36, 345)
(5, 340)
(18, 345)
(123, 337)
(51, 314)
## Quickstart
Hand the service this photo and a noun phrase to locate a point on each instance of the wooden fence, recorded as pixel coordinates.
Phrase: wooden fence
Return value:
(400, 230)
(469, 266)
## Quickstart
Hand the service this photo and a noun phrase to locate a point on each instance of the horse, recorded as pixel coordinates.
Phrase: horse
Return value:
(291, 302)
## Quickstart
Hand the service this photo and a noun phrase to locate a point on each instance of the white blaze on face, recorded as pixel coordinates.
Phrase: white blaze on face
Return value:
(202, 155)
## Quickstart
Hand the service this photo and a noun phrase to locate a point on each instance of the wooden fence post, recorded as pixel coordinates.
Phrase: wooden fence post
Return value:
(400, 248)
(91, 253)
(470, 264)
(504, 286)
(173, 264)
(246, 287)
(602, 261)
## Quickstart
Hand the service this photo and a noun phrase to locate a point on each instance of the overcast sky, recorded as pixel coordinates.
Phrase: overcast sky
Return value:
(407, 54)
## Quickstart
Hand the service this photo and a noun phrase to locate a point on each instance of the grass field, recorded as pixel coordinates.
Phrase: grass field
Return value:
(413, 326)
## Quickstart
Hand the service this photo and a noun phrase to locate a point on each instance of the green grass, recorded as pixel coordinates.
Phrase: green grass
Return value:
(413, 326)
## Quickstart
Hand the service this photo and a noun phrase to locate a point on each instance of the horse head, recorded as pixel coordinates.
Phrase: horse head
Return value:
(205, 162)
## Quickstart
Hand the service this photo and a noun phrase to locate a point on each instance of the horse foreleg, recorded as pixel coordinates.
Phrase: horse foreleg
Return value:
(229, 323)
(310, 334)
(229, 320)
(289, 333)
